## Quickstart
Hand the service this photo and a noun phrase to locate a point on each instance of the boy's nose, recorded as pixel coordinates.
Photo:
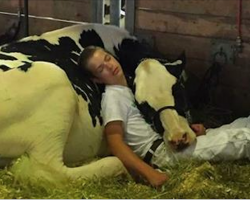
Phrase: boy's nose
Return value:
(109, 67)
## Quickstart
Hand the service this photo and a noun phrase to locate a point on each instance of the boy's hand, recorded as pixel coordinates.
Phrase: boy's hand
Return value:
(158, 179)
(199, 129)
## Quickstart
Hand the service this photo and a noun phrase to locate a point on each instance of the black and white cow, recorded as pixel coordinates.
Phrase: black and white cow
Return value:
(50, 116)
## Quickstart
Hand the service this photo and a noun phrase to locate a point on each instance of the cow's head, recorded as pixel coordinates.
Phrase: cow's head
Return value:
(158, 94)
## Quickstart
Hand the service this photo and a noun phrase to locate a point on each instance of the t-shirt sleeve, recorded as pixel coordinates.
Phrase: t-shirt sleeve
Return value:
(114, 108)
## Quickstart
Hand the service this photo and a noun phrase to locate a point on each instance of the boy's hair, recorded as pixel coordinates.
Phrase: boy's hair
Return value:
(84, 57)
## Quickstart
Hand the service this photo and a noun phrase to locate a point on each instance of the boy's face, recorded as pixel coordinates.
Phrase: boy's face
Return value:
(105, 68)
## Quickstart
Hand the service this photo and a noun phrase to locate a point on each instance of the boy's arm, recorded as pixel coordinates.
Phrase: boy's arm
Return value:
(114, 134)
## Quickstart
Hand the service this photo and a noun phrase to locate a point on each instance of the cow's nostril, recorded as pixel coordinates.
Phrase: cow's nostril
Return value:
(180, 143)
(181, 146)
(184, 137)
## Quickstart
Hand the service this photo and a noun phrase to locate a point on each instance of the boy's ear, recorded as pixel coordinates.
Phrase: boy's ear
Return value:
(96, 80)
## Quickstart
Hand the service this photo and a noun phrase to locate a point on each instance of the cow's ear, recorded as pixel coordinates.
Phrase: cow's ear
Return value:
(182, 57)
(177, 66)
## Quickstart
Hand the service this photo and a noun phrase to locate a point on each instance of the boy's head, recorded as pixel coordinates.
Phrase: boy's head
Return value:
(100, 66)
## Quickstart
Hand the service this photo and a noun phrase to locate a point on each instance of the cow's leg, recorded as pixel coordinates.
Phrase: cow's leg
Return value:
(49, 153)
(45, 161)
(106, 167)
(55, 172)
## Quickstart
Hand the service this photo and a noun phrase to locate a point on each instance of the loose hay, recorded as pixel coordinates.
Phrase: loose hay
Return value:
(191, 179)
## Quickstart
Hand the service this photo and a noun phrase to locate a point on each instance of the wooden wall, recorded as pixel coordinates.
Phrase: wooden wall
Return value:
(72, 10)
(196, 26)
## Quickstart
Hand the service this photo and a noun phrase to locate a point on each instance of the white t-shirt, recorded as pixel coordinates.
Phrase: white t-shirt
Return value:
(118, 104)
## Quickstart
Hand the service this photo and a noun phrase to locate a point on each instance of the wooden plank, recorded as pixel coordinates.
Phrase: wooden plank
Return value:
(232, 92)
(235, 77)
(36, 25)
(235, 99)
(199, 59)
(197, 67)
(230, 75)
(62, 9)
(39, 26)
(214, 27)
(195, 47)
(9, 6)
(196, 7)
(70, 10)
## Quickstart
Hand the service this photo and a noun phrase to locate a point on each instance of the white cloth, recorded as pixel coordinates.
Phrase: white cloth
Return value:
(118, 104)
(228, 142)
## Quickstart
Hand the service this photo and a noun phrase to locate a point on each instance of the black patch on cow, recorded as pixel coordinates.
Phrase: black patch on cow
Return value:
(4, 68)
(175, 70)
(25, 67)
(6, 57)
(89, 38)
(42, 50)
(149, 114)
(180, 98)
(131, 52)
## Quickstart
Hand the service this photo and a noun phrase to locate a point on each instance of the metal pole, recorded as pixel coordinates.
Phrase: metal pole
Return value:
(26, 18)
(97, 11)
(130, 16)
(115, 12)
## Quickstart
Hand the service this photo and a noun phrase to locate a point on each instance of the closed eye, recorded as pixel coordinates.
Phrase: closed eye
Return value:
(107, 58)
(100, 68)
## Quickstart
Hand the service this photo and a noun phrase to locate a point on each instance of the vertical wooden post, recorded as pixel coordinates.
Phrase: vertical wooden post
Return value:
(115, 12)
(130, 16)
(26, 18)
(97, 7)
